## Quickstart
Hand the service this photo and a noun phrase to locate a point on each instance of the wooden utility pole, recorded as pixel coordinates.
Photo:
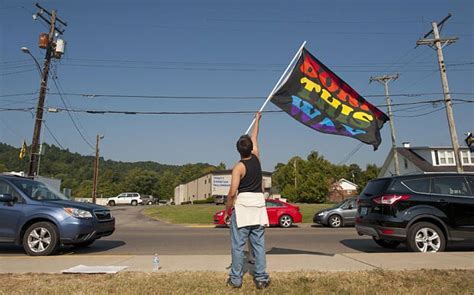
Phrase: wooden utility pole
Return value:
(34, 153)
(384, 80)
(50, 49)
(438, 43)
(96, 169)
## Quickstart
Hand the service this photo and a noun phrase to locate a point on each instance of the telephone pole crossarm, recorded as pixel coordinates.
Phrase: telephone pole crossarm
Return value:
(384, 80)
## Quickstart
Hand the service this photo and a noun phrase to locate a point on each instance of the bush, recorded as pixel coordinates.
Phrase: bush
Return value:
(209, 200)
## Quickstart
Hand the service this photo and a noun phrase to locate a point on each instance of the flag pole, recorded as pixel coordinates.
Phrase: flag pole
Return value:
(277, 84)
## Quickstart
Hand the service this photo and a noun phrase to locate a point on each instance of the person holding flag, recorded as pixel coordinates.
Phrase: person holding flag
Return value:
(250, 217)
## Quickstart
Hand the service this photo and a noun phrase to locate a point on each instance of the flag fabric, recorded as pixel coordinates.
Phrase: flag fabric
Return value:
(470, 142)
(315, 96)
(23, 150)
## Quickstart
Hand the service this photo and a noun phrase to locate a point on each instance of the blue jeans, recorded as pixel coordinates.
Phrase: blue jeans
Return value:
(239, 237)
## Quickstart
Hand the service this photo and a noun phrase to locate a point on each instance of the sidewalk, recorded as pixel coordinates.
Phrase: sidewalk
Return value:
(284, 263)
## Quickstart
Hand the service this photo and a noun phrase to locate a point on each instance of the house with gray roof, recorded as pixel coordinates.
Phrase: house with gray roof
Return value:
(426, 159)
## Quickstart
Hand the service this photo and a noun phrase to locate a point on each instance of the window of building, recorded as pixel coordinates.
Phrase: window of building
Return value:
(467, 158)
(445, 158)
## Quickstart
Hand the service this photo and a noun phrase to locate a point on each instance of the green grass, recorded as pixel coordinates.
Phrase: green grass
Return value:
(203, 214)
(362, 282)
(308, 210)
(184, 214)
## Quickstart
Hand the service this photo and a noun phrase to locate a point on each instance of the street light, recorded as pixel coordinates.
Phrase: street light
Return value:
(38, 67)
(27, 51)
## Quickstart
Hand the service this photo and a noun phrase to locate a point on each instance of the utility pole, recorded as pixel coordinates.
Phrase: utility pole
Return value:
(384, 80)
(437, 44)
(96, 169)
(50, 53)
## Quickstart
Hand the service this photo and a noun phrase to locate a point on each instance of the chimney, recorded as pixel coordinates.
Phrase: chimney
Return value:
(406, 145)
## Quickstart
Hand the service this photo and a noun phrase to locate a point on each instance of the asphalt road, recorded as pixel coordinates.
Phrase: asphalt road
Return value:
(136, 235)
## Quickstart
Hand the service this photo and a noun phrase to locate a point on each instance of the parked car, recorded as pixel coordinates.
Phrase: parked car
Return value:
(40, 218)
(149, 200)
(424, 211)
(279, 213)
(125, 199)
(341, 214)
(220, 199)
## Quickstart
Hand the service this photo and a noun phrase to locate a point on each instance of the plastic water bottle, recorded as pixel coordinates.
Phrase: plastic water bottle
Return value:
(156, 262)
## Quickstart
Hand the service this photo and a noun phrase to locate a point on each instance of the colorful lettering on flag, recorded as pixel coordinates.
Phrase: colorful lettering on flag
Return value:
(315, 96)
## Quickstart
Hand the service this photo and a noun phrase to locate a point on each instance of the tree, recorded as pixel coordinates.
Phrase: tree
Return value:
(3, 168)
(371, 172)
(141, 181)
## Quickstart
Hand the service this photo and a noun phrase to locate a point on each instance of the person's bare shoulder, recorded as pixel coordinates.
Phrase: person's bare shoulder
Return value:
(239, 169)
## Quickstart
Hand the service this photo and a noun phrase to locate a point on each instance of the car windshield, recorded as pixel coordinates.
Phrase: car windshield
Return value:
(340, 204)
(38, 191)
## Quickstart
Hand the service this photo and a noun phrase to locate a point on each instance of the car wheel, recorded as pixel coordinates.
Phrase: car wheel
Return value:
(386, 243)
(150, 203)
(335, 221)
(111, 203)
(84, 244)
(40, 239)
(425, 237)
(134, 203)
(285, 221)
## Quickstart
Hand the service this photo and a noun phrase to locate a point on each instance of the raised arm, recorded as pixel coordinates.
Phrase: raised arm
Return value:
(254, 135)
(237, 173)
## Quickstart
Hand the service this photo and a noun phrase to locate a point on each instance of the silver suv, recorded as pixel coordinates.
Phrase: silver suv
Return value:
(341, 214)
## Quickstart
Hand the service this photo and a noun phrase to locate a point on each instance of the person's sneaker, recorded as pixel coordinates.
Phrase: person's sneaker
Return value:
(230, 284)
(262, 284)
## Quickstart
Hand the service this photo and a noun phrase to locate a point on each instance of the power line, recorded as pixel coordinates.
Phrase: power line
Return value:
(70, 116)
(421, 115)
(18, 94)
(351, 153)
(65, 99)
(52, 135)
(17, 72)
(233, 69)
(56, 109)
(24, 63)
(16, 109)
(205, 97)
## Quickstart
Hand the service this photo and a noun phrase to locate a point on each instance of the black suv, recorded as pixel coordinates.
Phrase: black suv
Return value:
(424, 211)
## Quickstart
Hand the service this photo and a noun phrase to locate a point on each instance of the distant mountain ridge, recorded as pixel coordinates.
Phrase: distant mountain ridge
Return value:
(76, 171)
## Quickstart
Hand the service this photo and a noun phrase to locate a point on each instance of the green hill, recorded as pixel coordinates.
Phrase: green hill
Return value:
(76, 171)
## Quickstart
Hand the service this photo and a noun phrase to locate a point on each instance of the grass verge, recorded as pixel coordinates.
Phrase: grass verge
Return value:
(366, 282)
(203, 214)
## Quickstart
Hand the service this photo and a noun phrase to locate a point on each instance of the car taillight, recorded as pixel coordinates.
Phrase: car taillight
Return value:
(387, 231)
(390, 199)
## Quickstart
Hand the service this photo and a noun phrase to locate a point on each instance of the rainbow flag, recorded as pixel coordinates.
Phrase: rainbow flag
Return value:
(315, 96)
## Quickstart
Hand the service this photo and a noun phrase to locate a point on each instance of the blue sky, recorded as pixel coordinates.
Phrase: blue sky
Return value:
(228, 49)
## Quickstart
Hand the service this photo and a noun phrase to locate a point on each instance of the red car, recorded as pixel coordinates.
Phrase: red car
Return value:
(279, 213)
